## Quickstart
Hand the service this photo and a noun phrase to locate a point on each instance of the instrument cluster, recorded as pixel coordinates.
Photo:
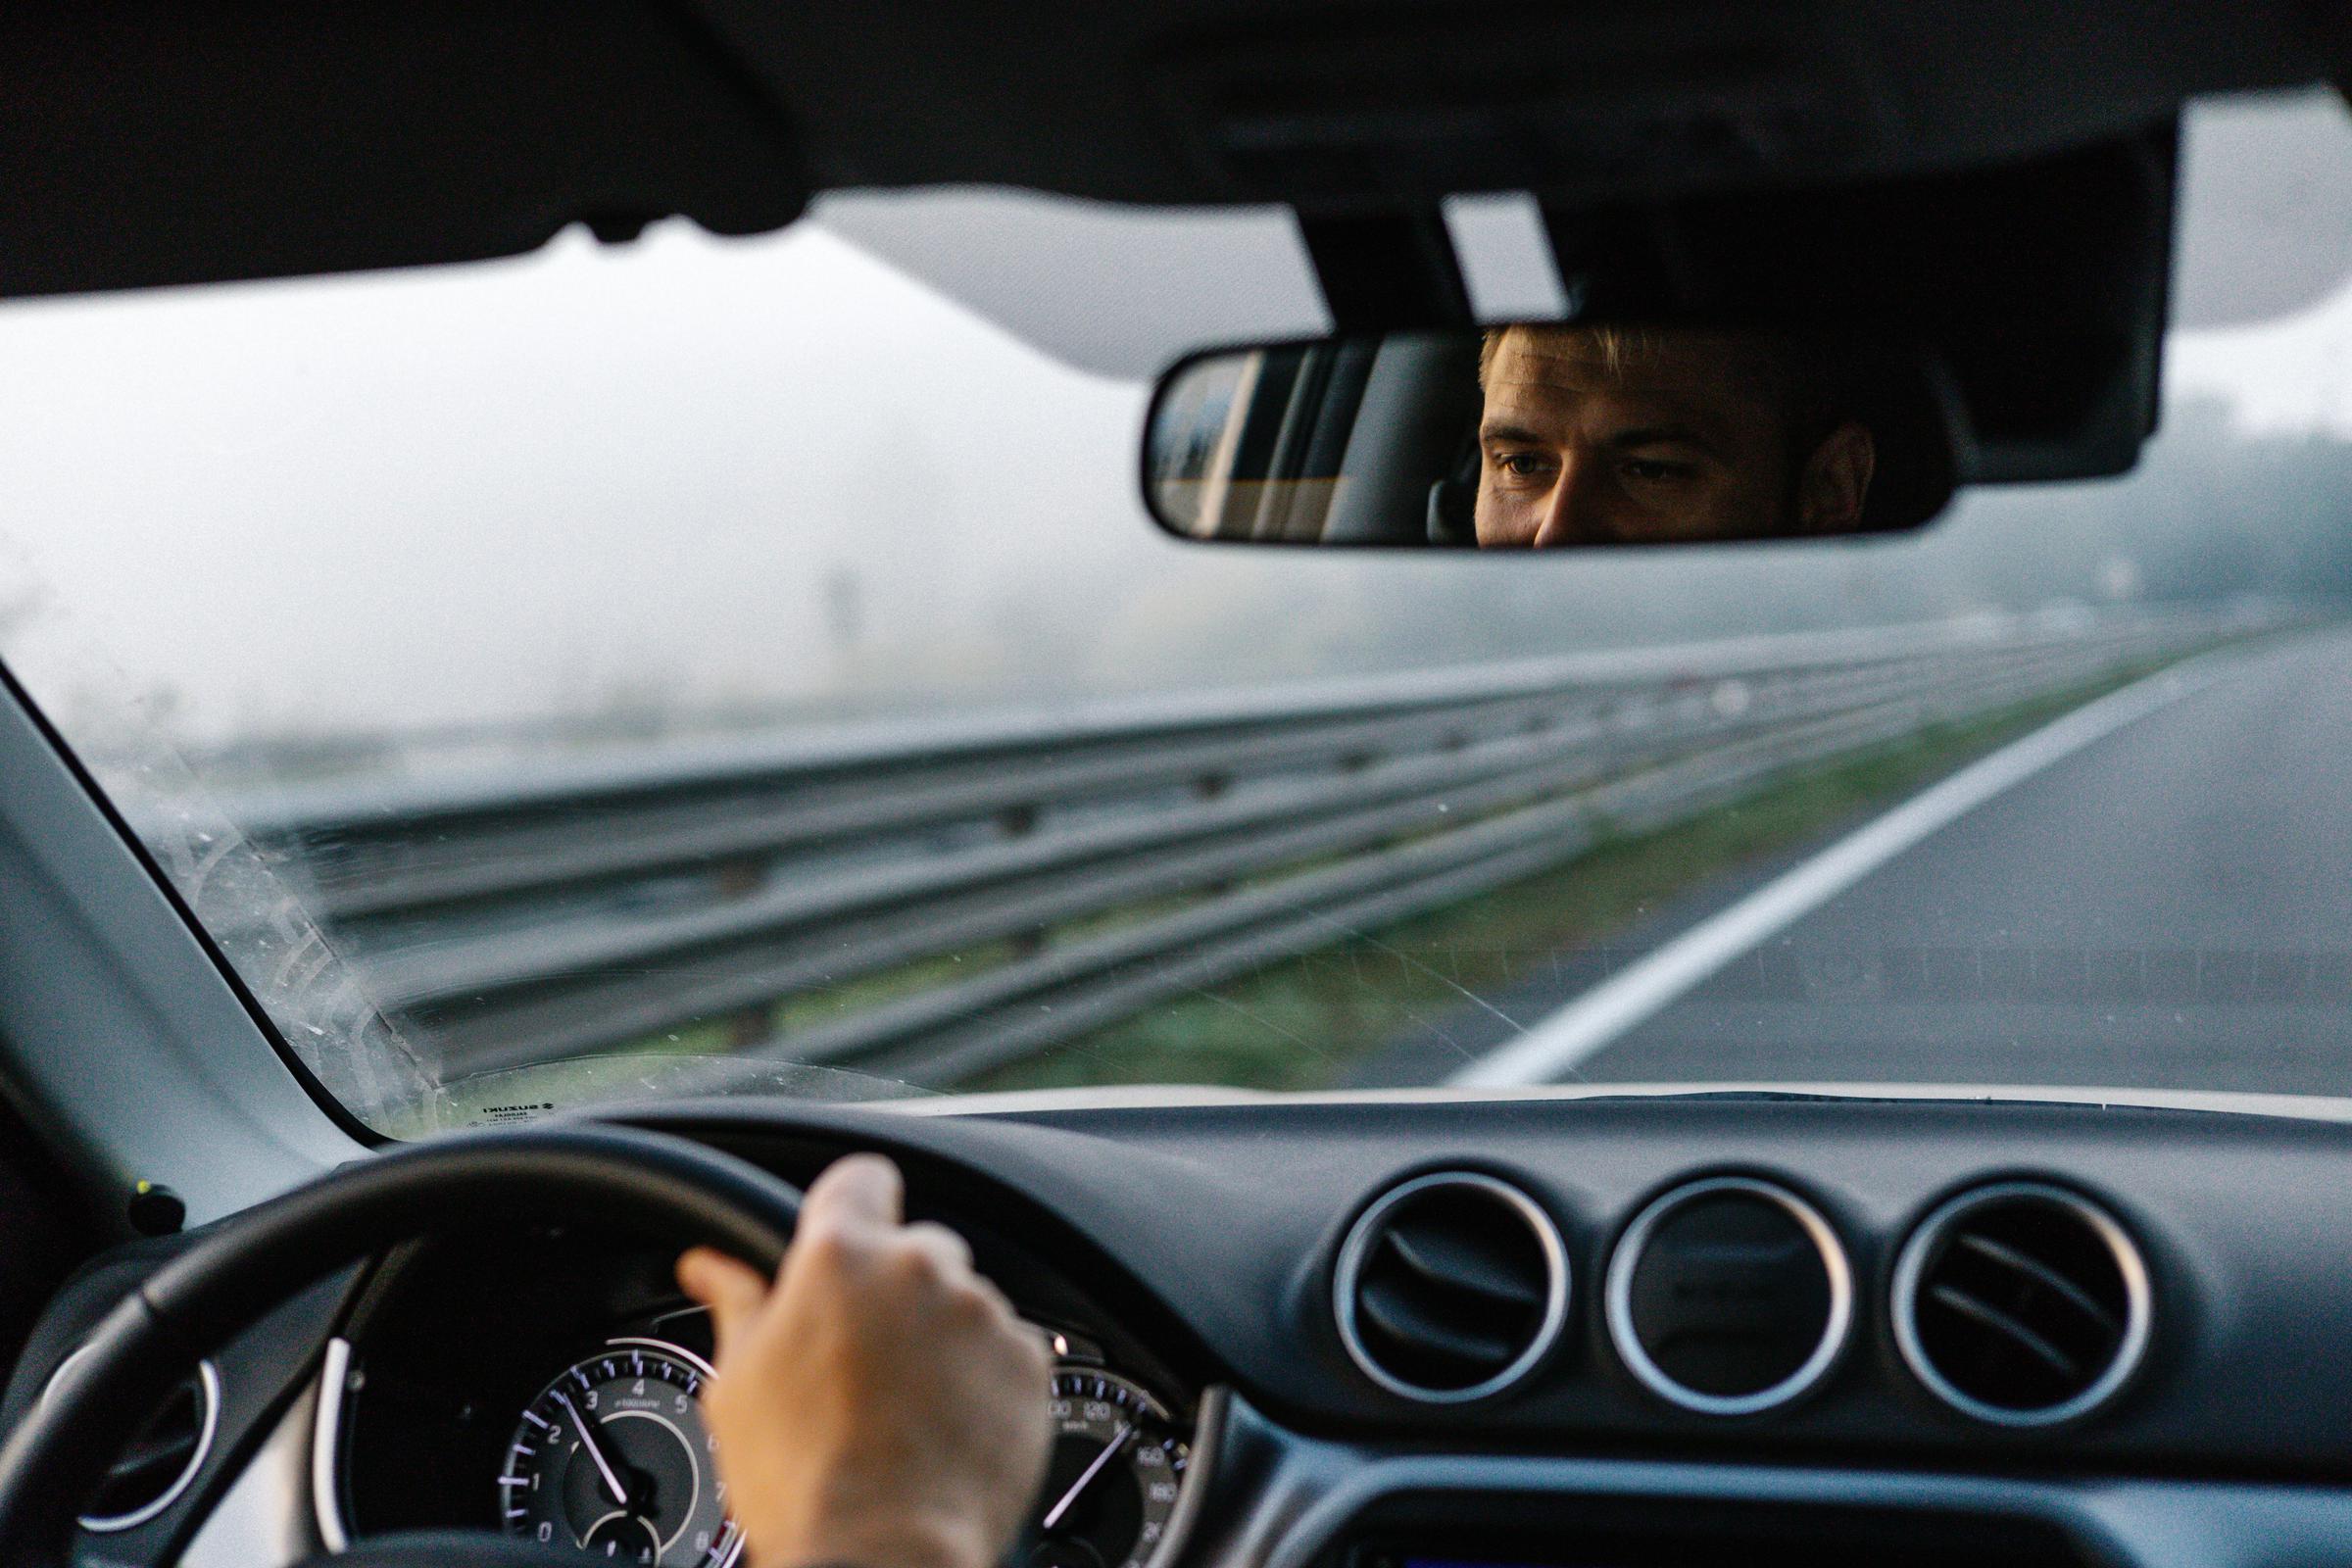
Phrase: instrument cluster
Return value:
(612, 1458)
(559, 1402)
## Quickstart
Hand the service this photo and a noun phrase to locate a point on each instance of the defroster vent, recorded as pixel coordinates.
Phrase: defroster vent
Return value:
(1451, 1286)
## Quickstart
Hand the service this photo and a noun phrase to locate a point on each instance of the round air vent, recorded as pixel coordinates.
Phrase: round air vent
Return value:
(165, 1457)
(1729, 1295)
(2021, 1303)
(1451, 1286)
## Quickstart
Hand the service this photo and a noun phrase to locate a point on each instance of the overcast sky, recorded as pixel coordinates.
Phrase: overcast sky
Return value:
(698, 472)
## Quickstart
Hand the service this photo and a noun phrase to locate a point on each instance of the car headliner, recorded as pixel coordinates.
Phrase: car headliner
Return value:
(246, 138)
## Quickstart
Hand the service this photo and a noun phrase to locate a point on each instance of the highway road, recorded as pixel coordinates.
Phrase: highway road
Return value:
(2160, 899)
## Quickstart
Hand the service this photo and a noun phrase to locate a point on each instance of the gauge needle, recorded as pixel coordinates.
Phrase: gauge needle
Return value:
(620, 1494)
(1117, 1441)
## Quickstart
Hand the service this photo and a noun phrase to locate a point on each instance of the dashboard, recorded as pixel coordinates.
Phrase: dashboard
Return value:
(1602, 1332)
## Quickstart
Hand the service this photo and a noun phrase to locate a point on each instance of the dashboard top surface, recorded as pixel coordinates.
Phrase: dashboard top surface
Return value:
(1213, 1231)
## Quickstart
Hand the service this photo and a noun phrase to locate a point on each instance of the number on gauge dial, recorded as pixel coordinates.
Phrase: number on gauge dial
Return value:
(1111, 1484)
(613, 1460)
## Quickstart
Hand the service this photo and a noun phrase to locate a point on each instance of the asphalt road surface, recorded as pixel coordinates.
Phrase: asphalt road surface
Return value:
(2166, 906)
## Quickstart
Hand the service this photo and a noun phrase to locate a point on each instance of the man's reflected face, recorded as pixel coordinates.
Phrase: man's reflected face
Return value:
(1596, 437)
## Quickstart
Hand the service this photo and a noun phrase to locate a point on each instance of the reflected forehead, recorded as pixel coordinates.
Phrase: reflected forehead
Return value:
(1579, 363)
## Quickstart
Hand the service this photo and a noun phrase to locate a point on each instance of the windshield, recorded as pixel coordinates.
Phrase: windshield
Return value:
(744, 667)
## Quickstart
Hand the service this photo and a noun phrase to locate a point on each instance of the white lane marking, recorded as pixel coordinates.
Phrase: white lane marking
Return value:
(1577, 1032)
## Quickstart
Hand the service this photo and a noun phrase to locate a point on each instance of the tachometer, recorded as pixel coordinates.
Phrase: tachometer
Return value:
(1111, 1488)
(613, 1459)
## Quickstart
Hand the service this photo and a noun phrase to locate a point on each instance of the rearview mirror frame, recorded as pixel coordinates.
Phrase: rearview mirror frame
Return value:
(1360, 440)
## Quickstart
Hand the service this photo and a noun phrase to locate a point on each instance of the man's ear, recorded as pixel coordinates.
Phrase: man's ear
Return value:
(1836, 484)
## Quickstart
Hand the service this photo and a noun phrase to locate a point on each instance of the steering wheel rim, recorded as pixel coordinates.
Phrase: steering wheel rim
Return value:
(223, 1283)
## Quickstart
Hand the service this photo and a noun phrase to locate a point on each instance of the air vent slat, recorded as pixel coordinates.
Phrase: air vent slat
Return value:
(2042, 1274)
(1450, 1287)
(2001, 1323)
(1395, 1315)
(1447, 1261)
(2021, 1303)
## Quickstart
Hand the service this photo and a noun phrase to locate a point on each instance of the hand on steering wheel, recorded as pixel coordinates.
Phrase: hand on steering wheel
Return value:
(882, 1405)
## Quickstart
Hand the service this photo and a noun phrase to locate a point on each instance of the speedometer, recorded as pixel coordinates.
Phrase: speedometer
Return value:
(613, 1459)
(1110, 1486)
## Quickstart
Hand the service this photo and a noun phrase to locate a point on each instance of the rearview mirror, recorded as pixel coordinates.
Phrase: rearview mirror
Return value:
(1549, 435)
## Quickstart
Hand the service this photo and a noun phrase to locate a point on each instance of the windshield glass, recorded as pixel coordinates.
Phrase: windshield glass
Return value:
(744, 667)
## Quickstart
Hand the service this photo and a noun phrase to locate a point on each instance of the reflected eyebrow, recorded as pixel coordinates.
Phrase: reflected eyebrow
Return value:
(1657, 435)
(1642, 435)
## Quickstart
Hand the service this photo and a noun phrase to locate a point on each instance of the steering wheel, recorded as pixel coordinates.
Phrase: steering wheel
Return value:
(222, 1285)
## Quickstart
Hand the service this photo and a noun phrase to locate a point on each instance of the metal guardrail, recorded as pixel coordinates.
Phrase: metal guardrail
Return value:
(1098, 858)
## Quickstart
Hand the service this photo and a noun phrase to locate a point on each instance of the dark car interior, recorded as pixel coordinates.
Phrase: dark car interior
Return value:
(1572, 1331)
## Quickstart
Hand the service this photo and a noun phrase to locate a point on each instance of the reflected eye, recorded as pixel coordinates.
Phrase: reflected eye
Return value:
(1523, 465)
(1654, 471)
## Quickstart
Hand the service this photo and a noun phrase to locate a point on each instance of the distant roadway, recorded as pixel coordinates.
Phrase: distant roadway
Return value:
(2159, 897)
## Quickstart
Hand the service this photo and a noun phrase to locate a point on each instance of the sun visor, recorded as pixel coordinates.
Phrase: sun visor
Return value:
(2265, 228)
(150, 144)
(1115, 291)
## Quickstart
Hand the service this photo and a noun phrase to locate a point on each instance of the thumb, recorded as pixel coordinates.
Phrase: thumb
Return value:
(734, 1291)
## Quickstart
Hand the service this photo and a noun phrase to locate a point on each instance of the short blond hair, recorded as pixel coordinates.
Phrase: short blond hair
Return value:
(1810, 382)
(1619, 346)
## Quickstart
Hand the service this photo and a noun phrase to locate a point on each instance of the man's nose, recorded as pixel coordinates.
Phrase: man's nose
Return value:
(1571, 512)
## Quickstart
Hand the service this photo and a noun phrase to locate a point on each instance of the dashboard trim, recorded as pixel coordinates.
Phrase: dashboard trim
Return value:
(1626, 1259)
(1357, 1249)
(262, 1519)
(327, 1444)
(2138, 1292)
(1303, 1496)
